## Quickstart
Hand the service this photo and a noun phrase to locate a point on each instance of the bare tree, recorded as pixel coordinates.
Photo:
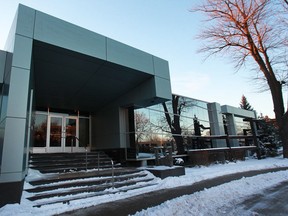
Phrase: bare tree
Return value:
(250, 31)
(178, 104)
(142, 126)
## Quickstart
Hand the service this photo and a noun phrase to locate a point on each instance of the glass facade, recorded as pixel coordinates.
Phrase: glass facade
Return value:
(163, 124)
(242, 127)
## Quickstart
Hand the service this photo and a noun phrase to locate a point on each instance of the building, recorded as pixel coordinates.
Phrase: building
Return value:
(67, 89)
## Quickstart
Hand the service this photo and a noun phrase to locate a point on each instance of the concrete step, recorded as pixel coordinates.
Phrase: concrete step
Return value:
(64, 177)
(66, 162)
(77, 189)
(61, 177)
(66, 200)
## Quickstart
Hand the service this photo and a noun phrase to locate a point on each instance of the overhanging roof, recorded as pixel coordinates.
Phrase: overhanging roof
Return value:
(65, 79)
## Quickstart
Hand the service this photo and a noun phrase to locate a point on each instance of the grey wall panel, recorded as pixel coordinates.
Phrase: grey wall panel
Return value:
(128, 56)
(4, 101)
(22, 52)
(18, 93)
(161, 67)
(25, 21)
(63, 34)
(238, 111)
(143, 92)
(105, 128)
(163, 88)
(12, 159)
(216, 123)
(9, 45)
(2, 132)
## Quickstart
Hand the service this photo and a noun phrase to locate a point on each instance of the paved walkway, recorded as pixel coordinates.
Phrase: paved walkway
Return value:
(136, 203)
(272, 201)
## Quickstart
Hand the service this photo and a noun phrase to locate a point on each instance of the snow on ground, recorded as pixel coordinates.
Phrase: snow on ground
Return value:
(223, 200)
(213, 201)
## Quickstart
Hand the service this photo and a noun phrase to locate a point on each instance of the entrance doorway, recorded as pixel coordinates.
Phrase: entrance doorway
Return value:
(60, 133)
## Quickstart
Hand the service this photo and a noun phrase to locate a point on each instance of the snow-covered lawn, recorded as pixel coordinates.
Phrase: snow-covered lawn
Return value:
(214, 200)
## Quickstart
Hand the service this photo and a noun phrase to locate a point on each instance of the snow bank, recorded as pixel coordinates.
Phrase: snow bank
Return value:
(220, 200)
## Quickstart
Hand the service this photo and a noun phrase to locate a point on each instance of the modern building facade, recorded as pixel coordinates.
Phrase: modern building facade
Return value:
(60, 81)
(67, 89)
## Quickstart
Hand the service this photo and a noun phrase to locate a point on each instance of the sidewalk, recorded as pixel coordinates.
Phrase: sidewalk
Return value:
(133, 204)
(271, 202)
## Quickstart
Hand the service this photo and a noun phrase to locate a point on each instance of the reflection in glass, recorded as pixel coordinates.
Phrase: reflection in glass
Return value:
(55, 131)
(70, 132)
(152, 129)
(40, 130)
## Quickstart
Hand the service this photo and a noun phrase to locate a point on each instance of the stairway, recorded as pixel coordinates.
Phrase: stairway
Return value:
(67, 162)
(63, 178)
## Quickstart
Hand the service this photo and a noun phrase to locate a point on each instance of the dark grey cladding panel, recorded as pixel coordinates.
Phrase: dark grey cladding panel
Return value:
(2, 64)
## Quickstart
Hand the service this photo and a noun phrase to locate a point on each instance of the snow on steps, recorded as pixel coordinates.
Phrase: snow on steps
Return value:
(65, 187)
(66, 162)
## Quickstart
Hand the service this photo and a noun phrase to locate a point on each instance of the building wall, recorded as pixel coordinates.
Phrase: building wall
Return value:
(15, 106)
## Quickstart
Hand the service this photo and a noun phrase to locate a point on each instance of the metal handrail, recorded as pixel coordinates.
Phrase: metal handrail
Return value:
(86, 154)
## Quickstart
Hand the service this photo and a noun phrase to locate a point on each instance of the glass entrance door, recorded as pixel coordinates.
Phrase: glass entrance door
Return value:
(59, 132)
(70, 134)
(54, 132)
(62, 133)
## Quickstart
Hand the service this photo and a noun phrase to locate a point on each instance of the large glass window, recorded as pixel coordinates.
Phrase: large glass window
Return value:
(242, 127)
(155, 127)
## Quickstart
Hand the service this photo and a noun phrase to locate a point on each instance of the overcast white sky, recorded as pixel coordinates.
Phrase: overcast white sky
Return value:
(164, 28)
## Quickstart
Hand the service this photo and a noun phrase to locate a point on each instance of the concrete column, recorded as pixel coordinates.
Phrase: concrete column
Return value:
(216, 124)
(231, 126)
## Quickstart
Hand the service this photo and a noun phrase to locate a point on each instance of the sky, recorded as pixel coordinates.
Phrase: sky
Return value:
(164, 28)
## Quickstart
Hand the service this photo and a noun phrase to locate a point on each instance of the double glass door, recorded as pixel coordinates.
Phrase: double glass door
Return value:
(62, 133)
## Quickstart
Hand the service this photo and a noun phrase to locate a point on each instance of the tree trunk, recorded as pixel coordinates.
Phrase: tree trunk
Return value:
(283, 132)
(280, 116)
(179, 144)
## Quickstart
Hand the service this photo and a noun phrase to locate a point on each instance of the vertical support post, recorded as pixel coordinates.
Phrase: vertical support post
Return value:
(98, 161)
(229, 146)
(170, 158)
(113, 181)
(86, 157)
(157, 159)
(255, 139)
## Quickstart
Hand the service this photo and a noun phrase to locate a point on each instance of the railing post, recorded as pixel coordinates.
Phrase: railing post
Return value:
(98, 161)
(86, 157)
(113, 182)
(71, 144)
